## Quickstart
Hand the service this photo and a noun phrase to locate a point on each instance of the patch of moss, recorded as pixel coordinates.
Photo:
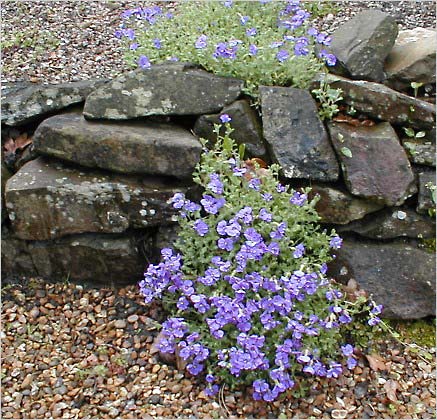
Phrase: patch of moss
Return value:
(421, 332)
(429, 244)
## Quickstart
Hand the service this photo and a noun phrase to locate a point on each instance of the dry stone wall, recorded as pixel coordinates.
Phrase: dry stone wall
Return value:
(88, 200)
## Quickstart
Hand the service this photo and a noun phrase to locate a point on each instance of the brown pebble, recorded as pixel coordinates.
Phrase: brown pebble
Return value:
(156, 368)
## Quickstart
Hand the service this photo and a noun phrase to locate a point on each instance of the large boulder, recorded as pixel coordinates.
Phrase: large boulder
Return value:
(399, 276)
(375, 165)
(165, 89)
(111, 260)
(382, 103)
(427, 192)
(47, 200)
(126, 147)
(340, 207)
(245, 123)
(362, 44)
(412, 58)
(24, 103)
(393, 223)
(4, 177)
(295, 135)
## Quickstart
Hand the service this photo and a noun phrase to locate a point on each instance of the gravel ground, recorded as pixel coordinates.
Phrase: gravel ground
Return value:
(75, 352)
(59, 41)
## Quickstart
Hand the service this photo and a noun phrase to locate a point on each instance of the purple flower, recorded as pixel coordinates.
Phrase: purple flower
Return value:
(211, 390)
(334, 370)
(276, 44)
(282, 55)
(244, 19)
(118, 33)
(245, 214)
(374, 321)
(279, 233)
(228, 3)
(201, 227)
(191, 207)
(351, 363)
(144, 62)
(330, 59)
(298, 199)
(134, 46)
(226, 244)
(157, 43)
(178, 200)
(323, 39)
(299, 251)
(211, 204)
(251, 32)
(300, 47)
(253, 49)
(280, 188)
(216, 186)
(265, 215)
(377, 310)
(129, 33)
(201, 42)
(267, 197)
(255, 184)
(226, 50)
(347, 350)
(336, 242)
(312, 32)
(225, 118)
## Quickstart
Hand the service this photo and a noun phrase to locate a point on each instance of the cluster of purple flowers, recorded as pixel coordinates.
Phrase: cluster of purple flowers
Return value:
(249, 323)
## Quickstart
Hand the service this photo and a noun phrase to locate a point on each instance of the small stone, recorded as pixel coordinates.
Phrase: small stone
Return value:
(339, 414)
(113, 412)
(132, 319)
(156, 368)
(120, 323)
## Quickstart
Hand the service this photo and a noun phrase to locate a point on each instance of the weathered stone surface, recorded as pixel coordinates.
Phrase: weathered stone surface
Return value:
(165, 237)
(399, 276)
(427, 181)
(296, 137)
(246, 125)
(5, 176)
(340, 207)
(393, 223)
(47, 200)
(420, 152)
(166, 89)
(412, 59)
(24, 103)
(108, 259)
(362, 44)
(156, 149)
(380, 102)
(15, 257)
(378, 167)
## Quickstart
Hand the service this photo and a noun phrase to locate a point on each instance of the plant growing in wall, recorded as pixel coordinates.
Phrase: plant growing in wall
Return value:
(261, 42)
(245, 286)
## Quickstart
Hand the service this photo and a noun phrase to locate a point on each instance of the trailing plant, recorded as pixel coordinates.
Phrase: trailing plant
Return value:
(245, 285)
(328, 98)
(261, 42)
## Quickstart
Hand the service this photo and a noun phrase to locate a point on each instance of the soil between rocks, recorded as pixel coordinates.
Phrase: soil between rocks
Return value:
(75, 352)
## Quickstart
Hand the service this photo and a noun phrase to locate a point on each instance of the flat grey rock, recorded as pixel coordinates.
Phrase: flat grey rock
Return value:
(47, 200)
(165, 89)
(399, 276)
(126, 147)
(374, 164)
(24, 103)
(295, 135)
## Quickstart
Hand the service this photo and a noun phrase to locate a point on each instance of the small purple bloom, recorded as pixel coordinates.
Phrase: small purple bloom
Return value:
(211, 204)
(255, 184)
(376, 310)
(144, 62)
(265, 215)
(251, 32)
(201, 42)
(228, 3)
(134, 46)
(225, 118)
(201, 227)
(282, 55)
(216, 186)
(298, 199)
(347, 350)
(253, 49)
(157, 43)
(351, 363)
(374, 321)
(299, 251)
(276, 44)
(244, 19)
(336, 242)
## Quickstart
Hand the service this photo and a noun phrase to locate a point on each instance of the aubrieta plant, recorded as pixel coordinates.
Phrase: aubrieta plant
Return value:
(263, 42)
(246, 285)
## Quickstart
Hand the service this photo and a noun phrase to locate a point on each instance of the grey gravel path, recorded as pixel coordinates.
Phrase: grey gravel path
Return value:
(58, 41)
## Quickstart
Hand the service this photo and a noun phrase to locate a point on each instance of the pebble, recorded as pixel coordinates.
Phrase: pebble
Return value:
(120, 323)
(132, 318)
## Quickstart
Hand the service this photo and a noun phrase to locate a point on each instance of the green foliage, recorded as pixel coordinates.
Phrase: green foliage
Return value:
(328, 98)
(255, 58)
(412, 134)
